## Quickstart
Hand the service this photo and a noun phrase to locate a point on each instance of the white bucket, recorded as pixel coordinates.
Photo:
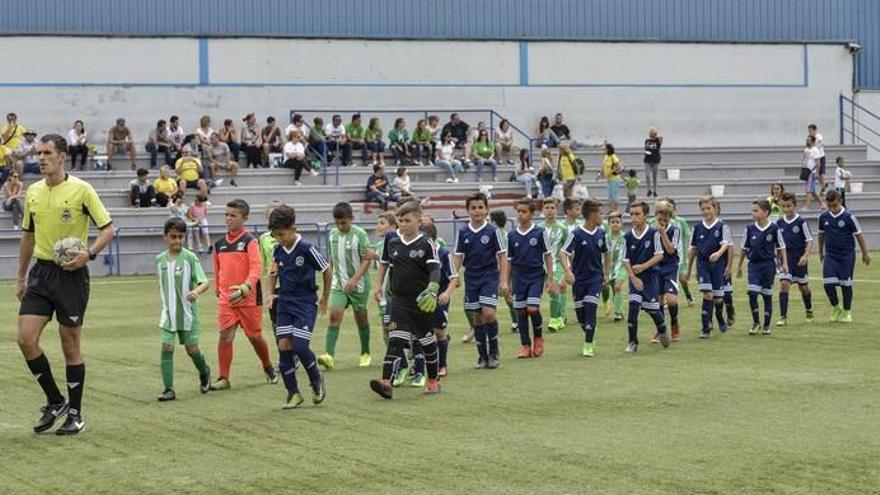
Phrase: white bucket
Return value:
(717, 191)
(855, 187)
(673, 174)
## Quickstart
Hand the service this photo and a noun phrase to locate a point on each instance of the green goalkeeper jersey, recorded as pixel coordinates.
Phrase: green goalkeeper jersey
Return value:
(347, 250)
(557, 233)
(267, 245)
(178, 276)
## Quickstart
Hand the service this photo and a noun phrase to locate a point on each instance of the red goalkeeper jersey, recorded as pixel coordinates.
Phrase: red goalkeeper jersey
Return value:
(236, 261)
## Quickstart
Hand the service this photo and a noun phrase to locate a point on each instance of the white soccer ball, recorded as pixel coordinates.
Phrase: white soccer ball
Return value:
(63, 250)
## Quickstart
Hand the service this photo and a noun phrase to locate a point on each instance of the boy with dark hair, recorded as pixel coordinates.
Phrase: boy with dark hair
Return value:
(237, 284)
(642, 251)
(448, 284)
(480, 250)
(710, 241)
(798, 245)
(499, 219)
(667, 269)
(839, 231)
(181, 281)
(294, 265)
(557, 234)
(587, 262)
(728, 276)
(267, 245)
(385, 224)
(530, 264)
(350, 253)
(762, 243)
(414, 267)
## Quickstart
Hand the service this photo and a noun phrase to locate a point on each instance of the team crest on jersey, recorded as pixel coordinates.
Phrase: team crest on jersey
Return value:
(413, 254)
(484, 239)
(769, 237)
(600, 243)
(240, 246)
(647, 243)
(795, 229)
(66, 215)
(717, 234)
(534, 242)
(300, 261)
(840, 223)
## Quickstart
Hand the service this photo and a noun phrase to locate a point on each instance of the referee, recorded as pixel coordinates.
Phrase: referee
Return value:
(55, 207)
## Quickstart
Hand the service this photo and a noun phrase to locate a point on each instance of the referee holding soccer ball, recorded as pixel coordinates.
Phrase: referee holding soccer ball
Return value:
(57, 207)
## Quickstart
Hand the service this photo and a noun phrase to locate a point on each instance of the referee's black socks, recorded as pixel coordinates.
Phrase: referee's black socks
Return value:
(39, 367)
(76, 375)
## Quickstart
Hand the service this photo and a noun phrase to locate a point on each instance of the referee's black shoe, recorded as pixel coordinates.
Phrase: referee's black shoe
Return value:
(51, 413)
(72, 425)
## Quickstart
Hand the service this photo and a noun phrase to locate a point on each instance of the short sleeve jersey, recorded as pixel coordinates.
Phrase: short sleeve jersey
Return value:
(557, 234)
(638, 249)
(586, 248)
(840, 231)
(795, 233)
(479, 248)
(409, 265)
(707, 239)
(685, 229)
(526, 251)
(53, 213)
(347, 251)
(614, 243)
(267, 251)
(178, 276)
(447, 268)
(237, 261)
(295, 268)
(671, 261)
(760, 244)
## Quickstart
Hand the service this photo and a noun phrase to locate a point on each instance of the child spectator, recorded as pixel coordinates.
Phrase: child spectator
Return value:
(839, 231)
(775, 200)
(504, 143)
(378, 188)
(141, 192)
(841, 179)
(198, 217)
(295, 155)
(632, 184)
(357, 137)
(189, 170)
(611, 171)
(567, 169)
(402, 182)
(811, 162)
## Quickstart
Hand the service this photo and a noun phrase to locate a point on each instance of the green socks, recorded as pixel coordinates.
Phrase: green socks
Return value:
(554, 305)
(167, 366)
(198, 359)
(364, 334)
(618, 303)
(332, 337)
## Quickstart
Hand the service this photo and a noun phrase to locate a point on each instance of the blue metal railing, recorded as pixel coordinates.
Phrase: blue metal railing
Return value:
(853, 124)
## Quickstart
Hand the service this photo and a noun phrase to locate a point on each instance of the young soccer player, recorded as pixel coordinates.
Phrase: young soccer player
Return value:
(572, 210)
(642, 251)
(181, 282)
(710, 241)
(762, 244)
(448, 284)
(499, 220)
(557, 234)
(685, 230)
(480, 250)
(414, 266)
(618, 279)
(384, 224)
(267, 252)
(839, 230)
(294, 264)
(530, 265)
(587, 262)
(350, 251)
(728, 277)
(667, 269)
(798, 245)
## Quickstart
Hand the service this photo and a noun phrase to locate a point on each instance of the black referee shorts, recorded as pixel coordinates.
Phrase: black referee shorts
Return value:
(407, 317)
(53, 290)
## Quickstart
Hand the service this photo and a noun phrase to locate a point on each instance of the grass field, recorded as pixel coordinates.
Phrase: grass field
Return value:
(794, 413)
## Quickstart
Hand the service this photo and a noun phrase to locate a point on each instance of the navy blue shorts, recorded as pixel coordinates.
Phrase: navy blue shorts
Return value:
(710, 276)
(480, 290)
(667, 281)
(295, 319)
(386, 318)
(761, 275)
(649, 296)
(527, 291)
(441, 316)
(796, 274)
(586, 292)
(838, 270)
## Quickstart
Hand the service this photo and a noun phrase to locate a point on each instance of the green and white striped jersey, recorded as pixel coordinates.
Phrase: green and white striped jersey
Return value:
(347, 250)
(178, 276)
(557, 233)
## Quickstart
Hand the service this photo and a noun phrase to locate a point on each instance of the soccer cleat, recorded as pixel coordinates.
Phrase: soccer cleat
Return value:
(221, 383)
(326, 361)
(538, 348)
(481, 364)
(836, 313)
(294, 400)
(514, 328)
(846, 316)
(588, 350)
(365, 360)
(618, 318)
(664, 340)
(433, 386)
(753, 330)
(809, 316)
(676, 333)
(525, 352)
(632, 348)
(783, 322)
(167, 395)
(205, 382)
(765, 331)
(418, 381)
(318, 391)
(271, 375)
(731, 317)
(398, 379)
(382, 387)
(704, 334)
(468, 337)
(690, 303)
(493, 362)
(72, 425)
(553, 325)
(656, 338)
(443, 371)
(51, 413)
(722, 327)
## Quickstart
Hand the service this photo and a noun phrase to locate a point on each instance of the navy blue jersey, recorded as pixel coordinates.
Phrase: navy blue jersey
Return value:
(296, 267)
(708, 239)
(526, 250)
(796, 233)
(479, 247)
(840, 231)
(638, 249)
(671, 261)
(585, 249)
(761, 244)
(447, 268)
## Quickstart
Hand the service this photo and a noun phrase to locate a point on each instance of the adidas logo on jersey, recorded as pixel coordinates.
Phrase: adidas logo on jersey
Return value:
(74, 318)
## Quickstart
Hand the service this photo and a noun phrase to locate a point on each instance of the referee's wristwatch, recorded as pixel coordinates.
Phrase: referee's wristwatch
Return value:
(92, 255)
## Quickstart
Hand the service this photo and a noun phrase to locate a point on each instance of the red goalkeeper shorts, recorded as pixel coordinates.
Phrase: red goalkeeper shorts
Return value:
(249, 318)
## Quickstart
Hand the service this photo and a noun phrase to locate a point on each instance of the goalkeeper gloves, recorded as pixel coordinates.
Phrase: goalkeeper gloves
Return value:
(238, 292)
(427, 300)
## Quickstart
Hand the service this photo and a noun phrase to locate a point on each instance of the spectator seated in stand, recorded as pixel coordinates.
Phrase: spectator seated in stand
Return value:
(295, 155)
(203, 137)
(296, 123)
(176, 136)
(525, 173)
(250, 141)
(142, 193)
(229, 135)
(336, 141)
(159, 142)
(458, 129)
(375, 144)
(378, 188)
(398, 141)
(504, 143)
(317, 142)
(189, 169)
(484, 154)
(561, 129)
(120, 141)
(220, 158)
(421, 143)
(165, 186)
(13, 190)
(356, 137)
(446, 158)
(271, 139)
(78, 145)
(545, 135)
(26, 154)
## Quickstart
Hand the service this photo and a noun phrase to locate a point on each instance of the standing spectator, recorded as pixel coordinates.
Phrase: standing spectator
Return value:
(11, 132)
(378, 188)
(398, 141)
(12, 191)
(484, 152)
(165, 186)
(525, 173)
(458, 129)
(229, 135)
(203, 135)
(26, 153)
(652, 159)
(560, 129)
(546, 171)
(250, 141)
(421, 143)
(119, 140)
(220, 158)
(176, 135)
(356, 137)
(811, 161)
(446, 158)
(271, 138)
(841, 179)
(545, 135)
(78, 145)
(567, 169)
(295, 155)
(375, 144)
(6, 164)
(611, 171)
(504, 142)
(159, 142)
(337, 141)
(632, 184)
(296, 123)
(189, 170)
(141, 193)
(317, 142)
(197, 217)
(813, 130)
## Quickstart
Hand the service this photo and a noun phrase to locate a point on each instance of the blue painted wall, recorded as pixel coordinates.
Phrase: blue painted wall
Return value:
(667, 20)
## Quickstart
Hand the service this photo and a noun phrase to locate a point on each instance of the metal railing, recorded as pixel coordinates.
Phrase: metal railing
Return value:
(859, 124)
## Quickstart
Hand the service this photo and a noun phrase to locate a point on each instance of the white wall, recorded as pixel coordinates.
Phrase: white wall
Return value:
(871, 101)
(698, 95)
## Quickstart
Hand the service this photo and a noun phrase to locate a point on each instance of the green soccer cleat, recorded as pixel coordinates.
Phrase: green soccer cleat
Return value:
(836, 314)
(221, 383)
(293, 401)
(418, 381)
(846, 316)
(326, 361)
(365, 360)
(398, 379)
(783, 322)
(809, 316)
(588, 350)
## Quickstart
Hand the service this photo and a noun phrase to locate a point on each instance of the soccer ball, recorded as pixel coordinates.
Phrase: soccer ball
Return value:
(62, 252)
